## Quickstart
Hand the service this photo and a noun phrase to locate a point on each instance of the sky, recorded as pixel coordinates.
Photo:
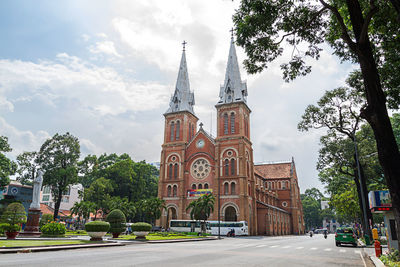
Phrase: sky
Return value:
(105, 71)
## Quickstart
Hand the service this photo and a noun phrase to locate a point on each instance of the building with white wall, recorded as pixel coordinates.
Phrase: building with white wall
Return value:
(69, 198)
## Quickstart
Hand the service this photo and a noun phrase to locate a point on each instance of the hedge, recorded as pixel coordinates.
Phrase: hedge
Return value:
(117, 221)
(141, 227)
(97, 226)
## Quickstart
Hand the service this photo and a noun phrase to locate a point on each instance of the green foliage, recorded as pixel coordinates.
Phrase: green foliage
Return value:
(98, 193)
(128, 208)
(83, 209)
(58, 157)
(53, 229)
(27, 167)
(141, 227)
(6, 227)
(201, 209)
(97, 226)
(311, 211)
(150, 209)
(346, 203)
(7, 167)
(392, 259)
(117, 221)
(46, 218)
(14, 214)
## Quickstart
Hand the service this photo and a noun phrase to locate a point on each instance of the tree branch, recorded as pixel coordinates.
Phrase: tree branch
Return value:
(364, 30)
(345, 34)
(305, 26)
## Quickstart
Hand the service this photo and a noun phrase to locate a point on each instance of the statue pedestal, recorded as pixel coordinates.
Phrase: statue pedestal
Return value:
(32, 225)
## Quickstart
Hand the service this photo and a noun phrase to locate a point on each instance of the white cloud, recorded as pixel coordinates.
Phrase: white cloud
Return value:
(106, 47)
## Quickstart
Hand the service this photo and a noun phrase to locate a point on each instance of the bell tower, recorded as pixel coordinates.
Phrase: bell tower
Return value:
(234, 148)
(179, 128)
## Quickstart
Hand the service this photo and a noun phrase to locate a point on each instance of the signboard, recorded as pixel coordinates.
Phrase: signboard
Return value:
(380, 200)
(199, 192)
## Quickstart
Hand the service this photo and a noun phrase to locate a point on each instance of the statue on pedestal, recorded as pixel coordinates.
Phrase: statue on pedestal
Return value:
(37, 185)
(32, 225)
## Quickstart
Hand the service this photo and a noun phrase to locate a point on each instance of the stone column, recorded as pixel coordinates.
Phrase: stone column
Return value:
(32, 225)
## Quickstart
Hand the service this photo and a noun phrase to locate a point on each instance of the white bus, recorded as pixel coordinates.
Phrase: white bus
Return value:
(240, 227)
(187, 226)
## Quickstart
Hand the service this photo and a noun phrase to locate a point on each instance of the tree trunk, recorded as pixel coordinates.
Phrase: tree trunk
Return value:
(358, 186)
(376, 112)
(57, 203)
(365, 189)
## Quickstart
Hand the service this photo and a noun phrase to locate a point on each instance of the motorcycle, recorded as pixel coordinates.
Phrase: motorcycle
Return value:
(311, 233)
(231, 233)
(325, 235)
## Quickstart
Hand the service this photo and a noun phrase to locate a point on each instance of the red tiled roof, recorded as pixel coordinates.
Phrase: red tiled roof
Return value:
(274, 170)
(45, 209)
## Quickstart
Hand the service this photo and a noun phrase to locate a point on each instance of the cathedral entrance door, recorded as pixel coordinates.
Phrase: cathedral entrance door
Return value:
(171, 215)
(230, 214)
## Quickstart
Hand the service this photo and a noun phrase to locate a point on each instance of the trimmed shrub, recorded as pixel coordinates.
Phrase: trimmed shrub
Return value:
(46, 218)
(53, 229)
(6, 227)
(14, 215)
(97, 226)
(141, 227)
(117, 221)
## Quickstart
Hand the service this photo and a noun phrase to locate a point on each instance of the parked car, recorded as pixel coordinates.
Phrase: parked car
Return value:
(345, 235)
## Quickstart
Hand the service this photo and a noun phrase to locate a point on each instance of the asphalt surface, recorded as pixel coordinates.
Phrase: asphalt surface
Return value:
(239, 251)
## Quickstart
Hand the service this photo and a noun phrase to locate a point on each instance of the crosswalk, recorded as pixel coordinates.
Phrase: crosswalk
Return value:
(255, 245)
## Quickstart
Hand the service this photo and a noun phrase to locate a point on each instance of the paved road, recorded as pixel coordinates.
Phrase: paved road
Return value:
(240, 251)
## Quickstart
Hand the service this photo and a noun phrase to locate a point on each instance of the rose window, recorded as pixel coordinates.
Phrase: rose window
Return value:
(200, 169)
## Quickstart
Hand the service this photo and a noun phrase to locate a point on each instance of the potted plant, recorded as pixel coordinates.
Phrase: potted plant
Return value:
(97, 229)
(141, 229)
(117, 221)
(12, 218)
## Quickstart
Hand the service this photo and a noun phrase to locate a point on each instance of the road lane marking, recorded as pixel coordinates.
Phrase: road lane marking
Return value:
(299, 247)
(261, 246)
(275, 246)
(313, 248)
(327, 249)
(357, 251)
(286, 246)
(342, 250)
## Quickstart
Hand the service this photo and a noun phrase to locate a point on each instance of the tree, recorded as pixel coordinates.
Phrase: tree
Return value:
(314, 193)
(98, 193)
(365, 32)
(311, 211)
(337, 110)
(7, 166)
(152, 209)
(83, 210)
(27, 167)
(58, 157)
(201, 208)
(128, 208)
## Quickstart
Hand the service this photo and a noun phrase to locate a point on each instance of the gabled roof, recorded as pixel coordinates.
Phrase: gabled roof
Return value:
(201, 130)
(45, 209)
(274, 170)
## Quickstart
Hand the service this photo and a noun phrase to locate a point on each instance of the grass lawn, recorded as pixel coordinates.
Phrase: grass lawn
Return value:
(157, 237)
(34, 243)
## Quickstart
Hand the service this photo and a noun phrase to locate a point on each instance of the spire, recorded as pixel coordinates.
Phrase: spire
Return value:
(182, 99)
(233, 90)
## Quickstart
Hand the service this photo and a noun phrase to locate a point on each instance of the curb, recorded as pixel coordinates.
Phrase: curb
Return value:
(55, 248)
(133, 241)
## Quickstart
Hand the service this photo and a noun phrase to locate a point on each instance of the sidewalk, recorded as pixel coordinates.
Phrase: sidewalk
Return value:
(369, 252)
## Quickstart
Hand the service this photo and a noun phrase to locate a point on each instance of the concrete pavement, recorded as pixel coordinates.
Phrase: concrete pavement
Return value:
(239, 251)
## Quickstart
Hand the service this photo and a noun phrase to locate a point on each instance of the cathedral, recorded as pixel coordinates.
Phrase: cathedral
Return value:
(267, 196)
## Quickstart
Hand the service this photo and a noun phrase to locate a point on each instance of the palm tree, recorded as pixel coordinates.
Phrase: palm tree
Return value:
(82, 209)
(201, 209)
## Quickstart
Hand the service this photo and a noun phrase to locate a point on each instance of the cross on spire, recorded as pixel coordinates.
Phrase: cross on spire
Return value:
(184, 44)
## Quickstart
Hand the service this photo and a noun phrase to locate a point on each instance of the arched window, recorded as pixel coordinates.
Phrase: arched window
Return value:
(233, 189)
(205, 186)
(249, 188)
(284, 185)
(170, 171)
(200, 186)
(226, 188)
(248, 170)
(172, 131)
(169, 191)
(226, 165)
(178, 129)
(193, 186)
(232, 122)
(226, 123)
(269, 186)
(190, 131)
(232, 166)
(279, 185)
(175, 191)
(176, 171)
